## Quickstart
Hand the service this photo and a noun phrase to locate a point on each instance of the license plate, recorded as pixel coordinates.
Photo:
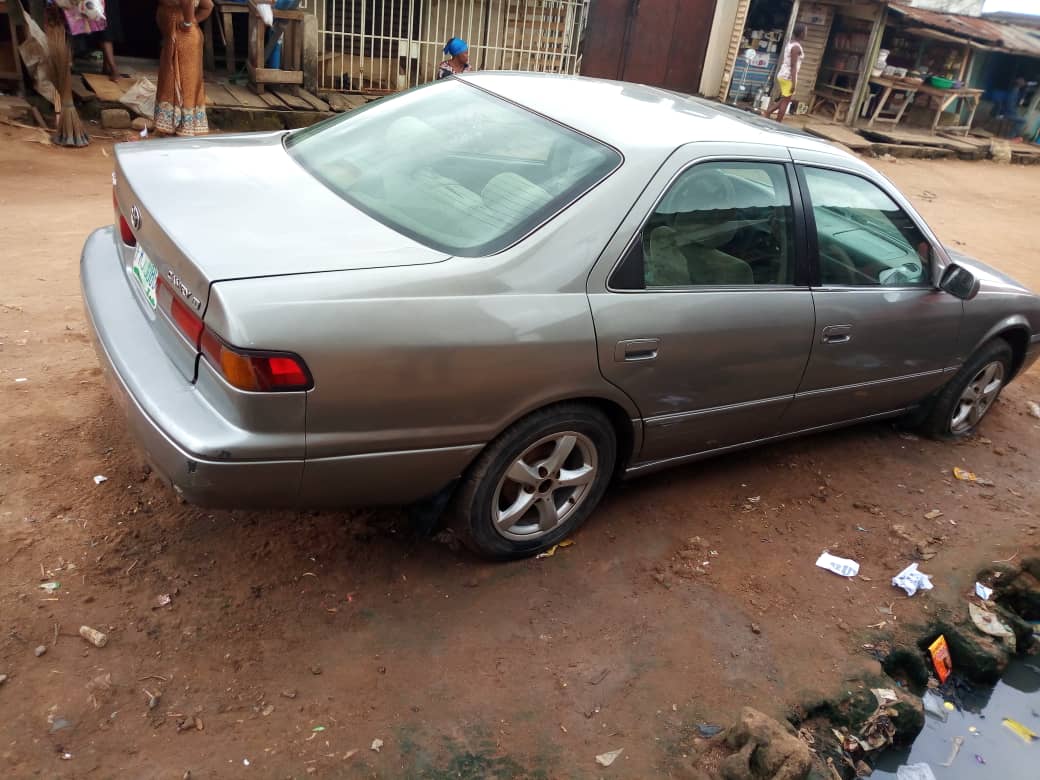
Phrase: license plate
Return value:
(145, 273)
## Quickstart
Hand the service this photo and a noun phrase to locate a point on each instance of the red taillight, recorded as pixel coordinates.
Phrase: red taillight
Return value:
(124, 228)
(126, 233)
(190, 325)
(255, 371)
(246, 370)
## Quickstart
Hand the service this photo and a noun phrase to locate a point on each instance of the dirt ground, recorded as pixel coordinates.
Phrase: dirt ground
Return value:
(294, 640)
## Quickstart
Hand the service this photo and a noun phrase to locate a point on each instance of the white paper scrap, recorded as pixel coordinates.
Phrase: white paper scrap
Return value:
(983, 592)
(98, 479)
(911, 580)
(843, 566)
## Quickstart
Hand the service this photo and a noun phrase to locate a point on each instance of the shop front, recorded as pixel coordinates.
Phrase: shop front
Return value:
(840, 43)
(760, 52)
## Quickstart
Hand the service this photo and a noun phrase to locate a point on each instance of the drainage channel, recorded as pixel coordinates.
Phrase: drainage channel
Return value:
(989, 748)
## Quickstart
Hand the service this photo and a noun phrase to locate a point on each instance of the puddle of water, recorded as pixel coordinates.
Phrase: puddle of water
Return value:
(1007, 755)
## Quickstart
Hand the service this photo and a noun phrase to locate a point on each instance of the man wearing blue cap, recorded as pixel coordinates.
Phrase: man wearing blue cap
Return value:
(458, 58)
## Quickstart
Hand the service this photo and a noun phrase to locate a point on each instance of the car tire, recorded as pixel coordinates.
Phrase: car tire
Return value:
(536, 483)
(966, 399)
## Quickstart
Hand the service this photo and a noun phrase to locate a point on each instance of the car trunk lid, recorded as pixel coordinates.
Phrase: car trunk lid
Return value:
(233, 207)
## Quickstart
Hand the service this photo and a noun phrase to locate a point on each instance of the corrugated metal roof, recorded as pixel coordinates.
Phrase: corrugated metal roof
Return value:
(1011, 38)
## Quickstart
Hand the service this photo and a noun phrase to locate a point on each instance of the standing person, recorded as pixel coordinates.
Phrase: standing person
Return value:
(787, 76)
(180, 97)
(112, 34)
(458, 58)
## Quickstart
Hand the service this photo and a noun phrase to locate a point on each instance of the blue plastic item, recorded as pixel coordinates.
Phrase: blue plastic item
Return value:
(275, 60)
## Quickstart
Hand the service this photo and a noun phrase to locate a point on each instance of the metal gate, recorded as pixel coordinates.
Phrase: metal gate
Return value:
(388, 45)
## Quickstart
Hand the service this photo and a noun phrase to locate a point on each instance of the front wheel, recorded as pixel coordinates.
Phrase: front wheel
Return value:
(968, 397)
(536, 483)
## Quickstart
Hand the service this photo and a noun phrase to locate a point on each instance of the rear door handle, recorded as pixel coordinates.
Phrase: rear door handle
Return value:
(836, 334)
(635, 350)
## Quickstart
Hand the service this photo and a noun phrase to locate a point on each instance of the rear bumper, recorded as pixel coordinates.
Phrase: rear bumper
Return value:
(157, 400)
(176, 426)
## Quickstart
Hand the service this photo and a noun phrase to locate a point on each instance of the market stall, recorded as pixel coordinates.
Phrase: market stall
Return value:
(763, 39)
(919, 75)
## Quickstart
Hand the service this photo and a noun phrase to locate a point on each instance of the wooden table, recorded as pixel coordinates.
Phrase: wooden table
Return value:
(947, 97)
(888, 88)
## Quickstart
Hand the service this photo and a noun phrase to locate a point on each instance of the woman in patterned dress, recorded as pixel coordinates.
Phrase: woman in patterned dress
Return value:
(180, 97)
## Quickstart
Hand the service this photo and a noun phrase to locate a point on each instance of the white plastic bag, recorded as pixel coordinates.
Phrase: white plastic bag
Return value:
(140, 98)
(843, 566)
(266, 13)
(915, 772)
(93, 10)
(911, 580)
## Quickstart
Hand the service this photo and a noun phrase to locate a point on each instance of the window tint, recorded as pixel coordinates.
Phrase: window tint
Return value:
(865, 239)
(452, 166)
(722, 224)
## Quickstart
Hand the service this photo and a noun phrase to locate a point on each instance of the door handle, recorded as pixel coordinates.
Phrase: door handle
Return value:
(635, 350)
(836, 334)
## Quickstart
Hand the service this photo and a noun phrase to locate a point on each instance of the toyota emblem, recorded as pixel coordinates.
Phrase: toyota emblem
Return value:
(135, 217)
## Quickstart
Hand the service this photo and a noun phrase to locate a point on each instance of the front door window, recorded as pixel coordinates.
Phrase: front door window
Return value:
(865, 239)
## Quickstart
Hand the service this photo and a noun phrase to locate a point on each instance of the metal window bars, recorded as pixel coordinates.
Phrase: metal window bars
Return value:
(383, 46)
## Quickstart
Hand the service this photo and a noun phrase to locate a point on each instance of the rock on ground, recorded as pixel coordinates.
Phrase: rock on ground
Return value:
(115, 119)
(142, 123)
(766, 750)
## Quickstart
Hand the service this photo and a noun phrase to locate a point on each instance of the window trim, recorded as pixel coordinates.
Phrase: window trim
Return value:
(802, 265)
(939, 258)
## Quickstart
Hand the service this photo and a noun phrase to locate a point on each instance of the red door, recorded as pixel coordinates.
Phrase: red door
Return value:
(656, 42)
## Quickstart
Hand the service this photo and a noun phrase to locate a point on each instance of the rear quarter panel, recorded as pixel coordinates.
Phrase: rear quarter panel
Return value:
(439, 355)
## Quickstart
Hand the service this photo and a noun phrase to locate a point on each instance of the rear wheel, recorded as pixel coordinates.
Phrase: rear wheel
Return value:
(536, 483)
(968, 397)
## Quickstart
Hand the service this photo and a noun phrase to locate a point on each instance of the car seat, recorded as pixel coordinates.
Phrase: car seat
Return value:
(687, 252)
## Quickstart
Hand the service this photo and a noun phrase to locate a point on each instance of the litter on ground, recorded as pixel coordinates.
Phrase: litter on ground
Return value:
(606, 759)
(941, 660)
(842, 566)
(911, 580)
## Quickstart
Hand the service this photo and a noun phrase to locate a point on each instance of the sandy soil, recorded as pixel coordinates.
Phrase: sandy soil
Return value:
(295, 639)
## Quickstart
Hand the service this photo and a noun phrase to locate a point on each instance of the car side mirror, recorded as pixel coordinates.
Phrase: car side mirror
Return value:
(959, 282)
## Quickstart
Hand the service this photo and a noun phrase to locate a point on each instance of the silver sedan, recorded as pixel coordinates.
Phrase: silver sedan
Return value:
(502, 291)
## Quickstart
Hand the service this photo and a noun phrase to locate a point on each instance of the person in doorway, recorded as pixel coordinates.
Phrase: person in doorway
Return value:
(1009, 109)
(458, 59)
(180, 96)
(787, 75)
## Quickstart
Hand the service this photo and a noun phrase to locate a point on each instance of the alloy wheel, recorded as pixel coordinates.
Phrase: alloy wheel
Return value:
(977, 398)
(544, 486)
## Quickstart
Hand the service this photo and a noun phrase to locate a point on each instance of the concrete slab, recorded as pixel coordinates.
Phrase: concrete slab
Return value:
(914, 151)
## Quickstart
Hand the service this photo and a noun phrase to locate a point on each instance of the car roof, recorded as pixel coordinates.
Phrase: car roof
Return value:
(634, 115)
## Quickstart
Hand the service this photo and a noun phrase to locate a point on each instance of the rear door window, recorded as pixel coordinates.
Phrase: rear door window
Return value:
(719, 224)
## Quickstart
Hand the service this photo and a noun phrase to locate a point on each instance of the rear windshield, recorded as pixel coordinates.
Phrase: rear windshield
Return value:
(452, 166)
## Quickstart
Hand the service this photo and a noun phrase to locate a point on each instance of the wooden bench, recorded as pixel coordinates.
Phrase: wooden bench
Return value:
(290, 24)
(227, 11)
